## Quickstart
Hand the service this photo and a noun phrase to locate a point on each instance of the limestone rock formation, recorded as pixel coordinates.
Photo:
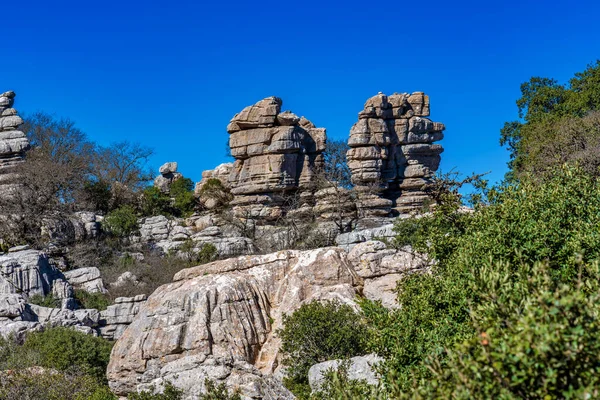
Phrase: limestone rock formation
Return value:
(25, 273)
(28, 272)
(392, 156)
(222, 317)
(168, 175)
(276, 155)
(210, 195)
(381, 268)
(221, 172)
(170, 235)
(118, 316)
(87, 279)
(13, 143)
(219, 320)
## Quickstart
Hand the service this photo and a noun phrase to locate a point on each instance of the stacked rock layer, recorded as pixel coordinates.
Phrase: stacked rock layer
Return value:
(13, 142)
(392, 156)
(277, 154)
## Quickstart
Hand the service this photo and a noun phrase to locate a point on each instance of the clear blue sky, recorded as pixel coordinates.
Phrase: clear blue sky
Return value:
(171, 74)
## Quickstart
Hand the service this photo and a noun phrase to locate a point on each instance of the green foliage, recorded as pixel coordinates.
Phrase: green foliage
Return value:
(337, 385)
(85, 299)
(39, 384)
(170, 392)
(536, 339)
(217, 392)
(155, 202)
(207, 253)
(97, 194)
(182, 191)
(318, 332)
(121, 222)
(214, 190)
(179, 202)
(65, 349)
(44, 301)
(542, 138)
(552, 220)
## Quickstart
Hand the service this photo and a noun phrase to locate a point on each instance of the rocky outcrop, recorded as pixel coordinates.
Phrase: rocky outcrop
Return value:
(115, 319)
(223, 317)
(87, 279)
(361, 368)
(13, 142)
(381, 268)
(170, 235)
(25, 273)
(62, 230)
(347, 241)
(168, 175)
(277, 154)
(221, 172)
(220, 320)
(392, 156)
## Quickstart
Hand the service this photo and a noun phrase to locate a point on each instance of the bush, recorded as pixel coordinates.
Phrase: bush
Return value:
(96, 196)
(40, 384)
(121, 222)
(155, 202)
(553, 221)
(85, 299)
(44, 301)
(315, 333)
(535, 339)
(184, 201)
(65, 349)
(217, 392)
(214, 190)
(170, 392)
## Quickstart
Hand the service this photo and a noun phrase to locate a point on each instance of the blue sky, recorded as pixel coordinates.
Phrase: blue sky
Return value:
(171, 74)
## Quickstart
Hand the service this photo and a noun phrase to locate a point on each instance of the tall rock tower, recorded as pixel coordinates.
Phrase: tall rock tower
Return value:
(392, 156)
(13, 142)
(276, 154)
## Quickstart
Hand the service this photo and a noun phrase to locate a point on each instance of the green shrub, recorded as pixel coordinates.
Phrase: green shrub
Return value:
(552, 220)
(85, 299)
(65, 349)
(213, 189)
(39, 384)
(170, 392)
(121, 222)
(155, 202)
(217, 392)
(44, 301)
(315, 333)
(97, 195)
(207, 253)
(184, 201)
(536, 339)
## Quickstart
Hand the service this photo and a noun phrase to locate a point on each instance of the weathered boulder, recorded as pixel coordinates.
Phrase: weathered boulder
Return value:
(381, 268)
(87, 279)
(28, 272)
(168, 175)
(361, 368)
(223, 316)
(115, 319)
(348, 240)
(170, 235)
